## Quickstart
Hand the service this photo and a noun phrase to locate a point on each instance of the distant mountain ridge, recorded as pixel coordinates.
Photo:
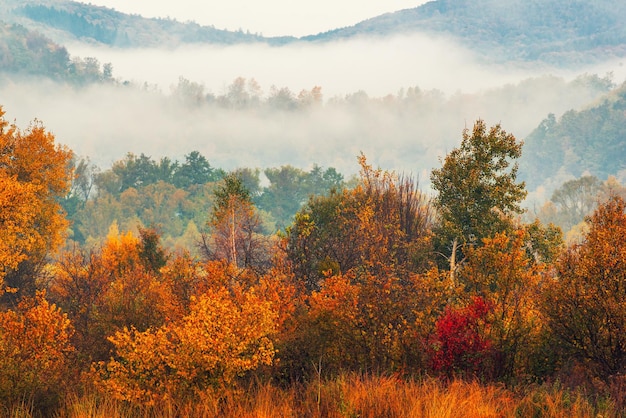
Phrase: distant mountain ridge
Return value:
(552, 31)
(64, 20)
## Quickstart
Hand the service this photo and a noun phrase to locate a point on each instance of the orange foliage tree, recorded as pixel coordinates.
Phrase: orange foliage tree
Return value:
(360, 321)
(585, 305)
(35, 353)
(226, 334)
(34, 175)
(374, 295)
(502, 272)
(121, 285)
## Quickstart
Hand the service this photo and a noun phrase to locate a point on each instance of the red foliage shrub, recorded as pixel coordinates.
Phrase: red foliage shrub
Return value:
(460, 345)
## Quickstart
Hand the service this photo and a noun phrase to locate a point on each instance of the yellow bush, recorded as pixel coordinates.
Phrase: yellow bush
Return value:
(226, 334)
(34, 352)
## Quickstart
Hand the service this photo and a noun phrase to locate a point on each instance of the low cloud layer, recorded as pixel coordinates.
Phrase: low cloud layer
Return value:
(378, 66)
(396, 132)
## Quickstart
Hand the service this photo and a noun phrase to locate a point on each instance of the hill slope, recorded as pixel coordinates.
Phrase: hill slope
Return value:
(590, 141)
(25, 53)
(63, 20)
(554, 31)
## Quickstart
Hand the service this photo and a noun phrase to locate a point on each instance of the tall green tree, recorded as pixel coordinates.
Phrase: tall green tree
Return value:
(195, 170)
(478, 192)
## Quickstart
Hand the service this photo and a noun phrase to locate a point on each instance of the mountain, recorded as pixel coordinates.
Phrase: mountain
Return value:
(552, 31)
(560, 32)
(67, 20)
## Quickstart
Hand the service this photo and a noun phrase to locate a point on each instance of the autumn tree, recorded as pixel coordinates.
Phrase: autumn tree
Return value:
(361, 321)
(477, 188)
(235, 228)
(584, 305)
(120, 285)
(79, 282)
(362, 255)
(34, 176)
(384, 222)
(507, 276)
(461, 343)
(226, 335)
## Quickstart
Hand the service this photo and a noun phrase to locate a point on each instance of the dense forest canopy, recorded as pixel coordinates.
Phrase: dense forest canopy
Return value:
(361, 275)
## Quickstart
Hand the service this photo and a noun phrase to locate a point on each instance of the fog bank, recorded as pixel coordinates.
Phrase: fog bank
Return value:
(378, 66)
(403, 101)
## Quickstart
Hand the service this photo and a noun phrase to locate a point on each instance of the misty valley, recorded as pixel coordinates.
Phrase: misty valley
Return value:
(404, 217)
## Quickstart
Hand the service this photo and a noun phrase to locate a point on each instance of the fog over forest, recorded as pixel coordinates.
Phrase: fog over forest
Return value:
(403, 101)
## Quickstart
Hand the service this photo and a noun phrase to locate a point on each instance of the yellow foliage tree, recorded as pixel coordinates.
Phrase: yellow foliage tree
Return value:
(17, 215)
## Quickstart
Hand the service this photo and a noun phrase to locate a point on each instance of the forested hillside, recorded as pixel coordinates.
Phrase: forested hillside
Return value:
(589, 141)
(557, 32)
(67, 20)
(25, 53)
(562, 32)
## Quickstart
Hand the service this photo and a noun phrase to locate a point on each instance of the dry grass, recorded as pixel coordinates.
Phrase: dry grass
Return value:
(356, 396)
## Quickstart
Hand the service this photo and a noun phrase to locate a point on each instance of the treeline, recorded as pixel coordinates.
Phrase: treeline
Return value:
(174, 197)
(373, 277)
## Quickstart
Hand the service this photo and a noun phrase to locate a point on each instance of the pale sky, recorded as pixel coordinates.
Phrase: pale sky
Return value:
(268, 17)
